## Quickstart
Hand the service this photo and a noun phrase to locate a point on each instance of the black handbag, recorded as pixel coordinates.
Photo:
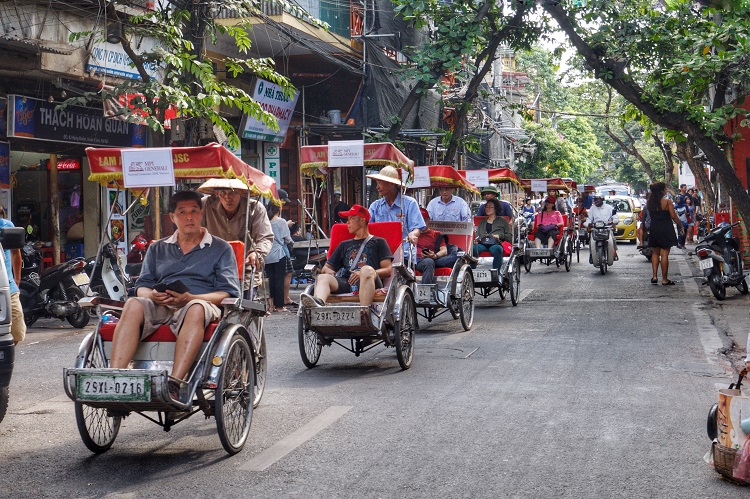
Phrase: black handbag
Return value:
(488, 240)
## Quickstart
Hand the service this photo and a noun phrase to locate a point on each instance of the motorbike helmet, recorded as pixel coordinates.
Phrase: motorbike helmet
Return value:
(598, 200)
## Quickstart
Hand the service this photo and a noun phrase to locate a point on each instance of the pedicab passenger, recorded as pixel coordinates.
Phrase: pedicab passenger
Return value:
(548, 223)
(205, 264)
(492, 232)
(432, 252)
(358, 265)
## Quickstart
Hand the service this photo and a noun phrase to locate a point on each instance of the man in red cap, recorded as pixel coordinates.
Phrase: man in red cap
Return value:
(358, 265)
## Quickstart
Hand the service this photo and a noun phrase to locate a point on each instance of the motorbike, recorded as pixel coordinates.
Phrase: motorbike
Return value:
(55, 293)
(136, 254)
(721, 262)
(601, 249)
(645, 248)
(106, 274)
(31, 257)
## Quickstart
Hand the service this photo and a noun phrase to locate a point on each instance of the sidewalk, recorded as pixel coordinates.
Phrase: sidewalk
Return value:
(730, 316)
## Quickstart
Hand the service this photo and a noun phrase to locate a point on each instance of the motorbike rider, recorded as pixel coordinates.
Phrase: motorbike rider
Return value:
(600, 212)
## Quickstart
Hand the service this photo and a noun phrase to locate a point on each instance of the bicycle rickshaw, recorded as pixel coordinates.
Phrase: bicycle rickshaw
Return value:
(454, 290)
(507, 279)
(392, 320)
(228, 377)
(562, 251)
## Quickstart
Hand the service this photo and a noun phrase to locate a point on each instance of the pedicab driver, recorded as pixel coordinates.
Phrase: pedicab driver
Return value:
(203, 263)
(394, 206)
(600, 212)
(356, 265)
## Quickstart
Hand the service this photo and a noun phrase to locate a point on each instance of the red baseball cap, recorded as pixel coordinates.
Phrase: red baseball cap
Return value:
(550, 199)
(356, 210)
(425, 214)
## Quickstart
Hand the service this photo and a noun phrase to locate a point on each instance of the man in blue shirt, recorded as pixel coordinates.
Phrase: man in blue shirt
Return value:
(448, 208)
(491, 192)
(396, 207)
(13, 265)
(204, 264)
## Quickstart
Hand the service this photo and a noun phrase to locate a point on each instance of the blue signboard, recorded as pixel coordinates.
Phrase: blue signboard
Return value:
(4, 165)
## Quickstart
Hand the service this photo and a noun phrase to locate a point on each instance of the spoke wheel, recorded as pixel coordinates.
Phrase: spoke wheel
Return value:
(309, 346)
(261, 359)
(515, 284)
(405, 329)
(568, 255)
(578, 250)
(98, 430)
(233, 405)
(527, 263)
(717, 286)
(466, 302)
(81, 317)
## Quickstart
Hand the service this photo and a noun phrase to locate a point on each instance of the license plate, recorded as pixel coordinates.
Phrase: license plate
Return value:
(120, 387)
(335, 317)
(423, 293)
(482, 276)
(538, 252)
(706, 264)
(80, 279)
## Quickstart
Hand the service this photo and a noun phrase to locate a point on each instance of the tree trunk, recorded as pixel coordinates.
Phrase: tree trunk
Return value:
(682, 122)
(666, 152)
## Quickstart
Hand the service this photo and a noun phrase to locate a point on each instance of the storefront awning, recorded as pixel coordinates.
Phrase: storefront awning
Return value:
(314, 159)
(210, 161)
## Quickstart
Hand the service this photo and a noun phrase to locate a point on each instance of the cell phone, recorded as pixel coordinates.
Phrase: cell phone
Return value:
(176, 286)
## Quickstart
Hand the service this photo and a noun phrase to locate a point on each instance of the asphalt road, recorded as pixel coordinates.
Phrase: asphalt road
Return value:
(593, 386)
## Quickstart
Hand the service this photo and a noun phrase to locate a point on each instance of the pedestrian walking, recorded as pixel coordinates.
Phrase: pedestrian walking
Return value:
(661, 234)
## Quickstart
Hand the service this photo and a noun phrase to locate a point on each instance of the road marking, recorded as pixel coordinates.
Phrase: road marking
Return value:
(294, 440)
(524, 294)
(708, 334)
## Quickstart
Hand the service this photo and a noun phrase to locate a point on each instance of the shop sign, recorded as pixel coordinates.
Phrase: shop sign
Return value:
(271, 160)
(3, 117)
(110, 59)
(346, 153)
(4, 165)
(273, 100)
(40, 120)
(66, 164)
(147, 167)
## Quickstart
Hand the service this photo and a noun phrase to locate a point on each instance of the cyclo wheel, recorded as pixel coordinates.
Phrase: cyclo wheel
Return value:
(515, 283)
(578, 249)
(98, 430)
(466, 302)
(261, 359)
(404, 333)
(309, 346)
(233, 404)
(568, 254)
(527, 263)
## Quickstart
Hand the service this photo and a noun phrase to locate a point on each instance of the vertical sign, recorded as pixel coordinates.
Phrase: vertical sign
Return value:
(271, 160)
(118, 228)
(5, 177)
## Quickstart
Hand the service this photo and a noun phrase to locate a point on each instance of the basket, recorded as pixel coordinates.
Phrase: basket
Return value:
(724, 463)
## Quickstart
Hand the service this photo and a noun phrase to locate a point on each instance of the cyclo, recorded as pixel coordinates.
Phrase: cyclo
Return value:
(507, 279)
(392, 320)
(561, 253)
(228, 377)
(454, 290)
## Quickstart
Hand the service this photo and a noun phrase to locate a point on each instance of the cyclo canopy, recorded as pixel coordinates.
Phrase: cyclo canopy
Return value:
(314, 159)
(440, 176)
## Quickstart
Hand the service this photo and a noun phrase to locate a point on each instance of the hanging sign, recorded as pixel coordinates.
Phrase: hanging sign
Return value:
(421, 177)
(273, 100)
(110, 59)
(147, 167)
(346, 153)
(539, 185)
(117, 229)
(271, 161)
(480, 178)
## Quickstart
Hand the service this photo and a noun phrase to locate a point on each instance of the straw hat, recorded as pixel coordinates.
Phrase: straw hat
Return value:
(387, 174)
(209, 185)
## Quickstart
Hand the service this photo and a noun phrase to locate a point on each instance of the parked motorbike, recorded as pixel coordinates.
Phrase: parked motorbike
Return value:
(601, 249)
(55, 293)
(721, 262)
(136, 254)
(31, 256)
(106, 274)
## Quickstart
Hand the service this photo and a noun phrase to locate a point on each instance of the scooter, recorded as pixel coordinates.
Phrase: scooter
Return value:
(31, 256)
(55, 293)
(601, 248)
(721, 262)
(136, 254)
(106, 274)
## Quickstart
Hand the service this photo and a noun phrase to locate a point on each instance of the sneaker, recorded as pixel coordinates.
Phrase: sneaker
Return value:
(309, 301)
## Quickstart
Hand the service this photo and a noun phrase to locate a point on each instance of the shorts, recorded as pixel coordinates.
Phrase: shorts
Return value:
(345, 287)
(289, 266)
(158, 315)
(543, 235)
(17, 324)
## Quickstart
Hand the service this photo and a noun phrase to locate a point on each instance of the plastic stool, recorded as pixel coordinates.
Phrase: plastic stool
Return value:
(47, 258)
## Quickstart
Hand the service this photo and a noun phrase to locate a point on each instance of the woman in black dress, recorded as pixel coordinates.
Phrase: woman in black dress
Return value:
(661, 236)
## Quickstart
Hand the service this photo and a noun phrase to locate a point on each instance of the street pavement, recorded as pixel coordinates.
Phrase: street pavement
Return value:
(594, 386)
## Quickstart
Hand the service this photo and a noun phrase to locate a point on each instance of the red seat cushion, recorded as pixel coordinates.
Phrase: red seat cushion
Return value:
(390, 231)
(163, 334)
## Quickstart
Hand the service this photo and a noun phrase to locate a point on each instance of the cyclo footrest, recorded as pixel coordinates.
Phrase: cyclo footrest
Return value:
(122, 389)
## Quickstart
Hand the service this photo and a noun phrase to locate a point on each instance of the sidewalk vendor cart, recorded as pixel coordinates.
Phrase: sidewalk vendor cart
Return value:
(228, 376)
(454, 290)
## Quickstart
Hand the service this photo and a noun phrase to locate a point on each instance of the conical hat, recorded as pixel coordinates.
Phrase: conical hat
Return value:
(209, 185)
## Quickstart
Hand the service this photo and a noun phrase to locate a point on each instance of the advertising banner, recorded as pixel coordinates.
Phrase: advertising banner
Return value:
(479, 178)
(346, 153)
(4, 165)
(3, 117)
(118, 229)
(110, 59)
(539, 185)
(40, 120)
(147, 167)
(272, 99)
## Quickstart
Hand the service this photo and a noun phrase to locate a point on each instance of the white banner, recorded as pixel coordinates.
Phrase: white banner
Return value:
(111, 59)
(480, 178)
(421, 177)
(147, 167)
(539, 185)
(346, 153)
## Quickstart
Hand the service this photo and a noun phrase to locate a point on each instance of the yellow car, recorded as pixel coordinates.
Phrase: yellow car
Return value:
(627, 209)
